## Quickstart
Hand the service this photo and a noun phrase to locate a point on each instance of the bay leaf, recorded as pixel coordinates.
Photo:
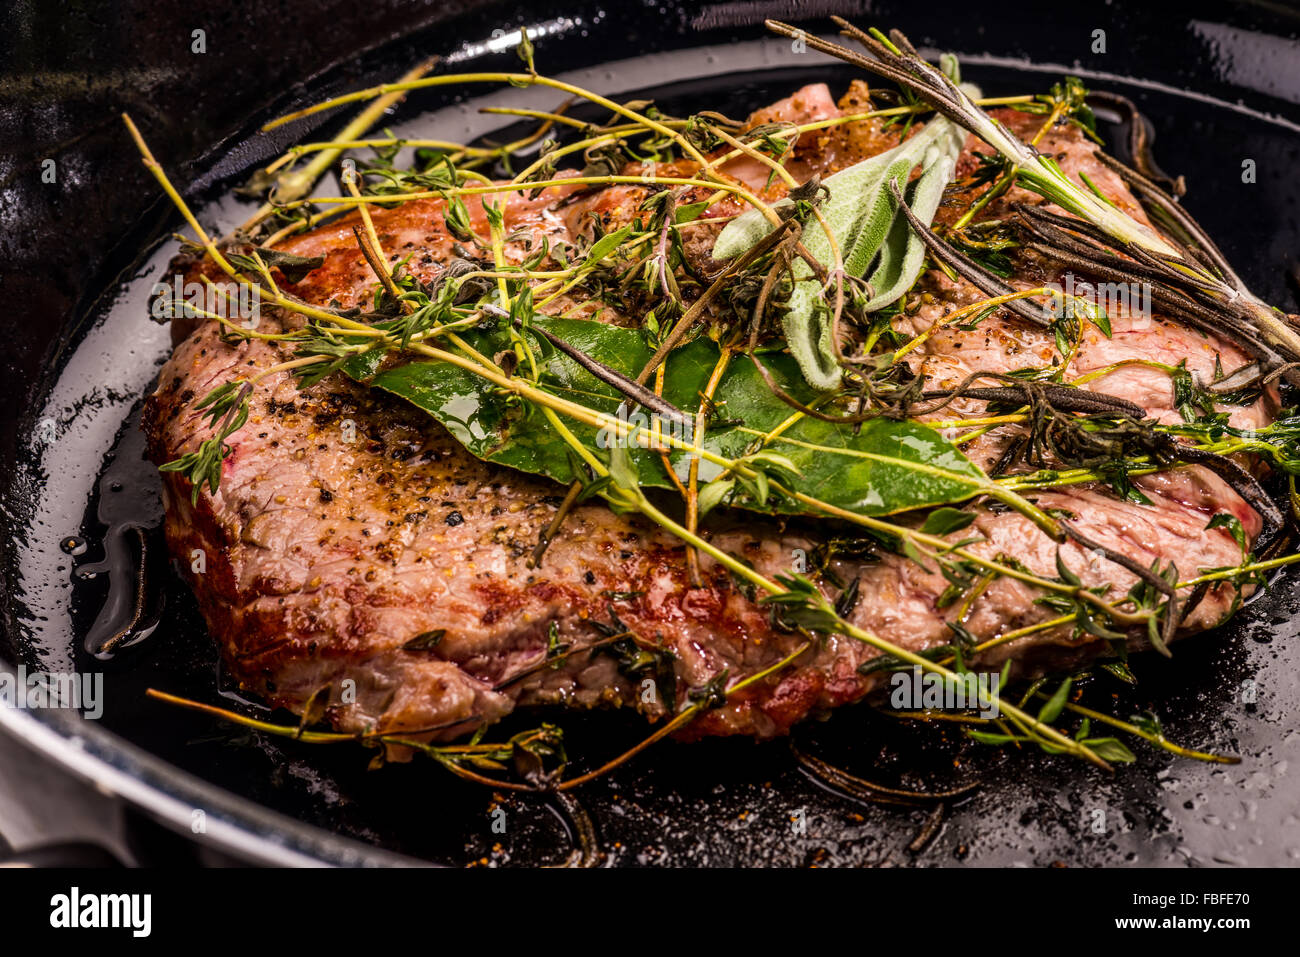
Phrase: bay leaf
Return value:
(884, 466)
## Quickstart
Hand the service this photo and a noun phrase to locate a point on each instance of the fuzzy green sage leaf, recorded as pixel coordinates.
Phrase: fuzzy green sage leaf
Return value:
(862, 214)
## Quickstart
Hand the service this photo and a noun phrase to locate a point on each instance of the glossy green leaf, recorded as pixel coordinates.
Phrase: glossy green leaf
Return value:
(884, 466)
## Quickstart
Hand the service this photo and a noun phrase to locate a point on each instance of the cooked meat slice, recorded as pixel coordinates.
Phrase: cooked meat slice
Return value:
(355, 550)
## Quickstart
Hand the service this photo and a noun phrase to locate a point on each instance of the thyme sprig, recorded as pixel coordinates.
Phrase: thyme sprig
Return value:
(227, 411)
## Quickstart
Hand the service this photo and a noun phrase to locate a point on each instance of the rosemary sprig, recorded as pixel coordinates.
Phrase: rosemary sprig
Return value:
(1212, 295)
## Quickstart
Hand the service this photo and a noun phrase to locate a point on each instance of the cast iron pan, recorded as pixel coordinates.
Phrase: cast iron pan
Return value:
(79, 354)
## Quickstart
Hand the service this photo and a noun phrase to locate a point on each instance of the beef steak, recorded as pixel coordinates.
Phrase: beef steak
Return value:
(355, 551)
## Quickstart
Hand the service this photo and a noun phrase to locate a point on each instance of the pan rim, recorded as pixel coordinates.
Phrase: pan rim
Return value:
(238, 826)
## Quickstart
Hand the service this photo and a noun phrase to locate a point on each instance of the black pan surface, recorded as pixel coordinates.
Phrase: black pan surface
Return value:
(75, 470)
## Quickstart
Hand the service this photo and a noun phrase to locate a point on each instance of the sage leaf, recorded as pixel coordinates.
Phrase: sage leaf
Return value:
(903, 254)
(862, 215)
